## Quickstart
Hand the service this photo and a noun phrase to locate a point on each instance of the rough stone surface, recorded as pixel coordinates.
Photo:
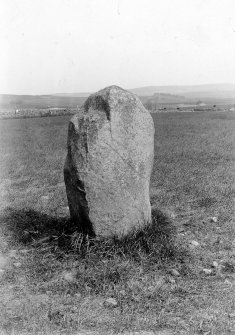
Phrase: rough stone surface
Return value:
(109, 162)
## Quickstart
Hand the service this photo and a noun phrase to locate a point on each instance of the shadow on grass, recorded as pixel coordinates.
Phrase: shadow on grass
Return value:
(27, 226)
(98, 266)
(155, 242)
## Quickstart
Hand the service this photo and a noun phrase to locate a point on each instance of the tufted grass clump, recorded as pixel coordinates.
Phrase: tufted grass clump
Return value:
(154, 242)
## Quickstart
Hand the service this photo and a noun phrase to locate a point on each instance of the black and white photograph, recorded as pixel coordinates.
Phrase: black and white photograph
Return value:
(117, 167)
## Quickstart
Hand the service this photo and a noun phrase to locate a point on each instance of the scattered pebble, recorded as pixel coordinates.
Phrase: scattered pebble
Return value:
(215, 264)
(122, 292)
(194, 243)
(170, 214)
(231, 315)
(171, 280)
(110, 302)
(174, 272)
(17, 265)
(207, 271)
(78, 295)
(213, 219)
(69, 276)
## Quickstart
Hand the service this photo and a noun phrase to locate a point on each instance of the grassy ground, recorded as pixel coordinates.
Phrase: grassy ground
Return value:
(161, 280)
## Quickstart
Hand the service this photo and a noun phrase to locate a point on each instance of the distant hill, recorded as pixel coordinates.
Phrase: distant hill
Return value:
(211, 90)
(80, 94)
(191, 92)
(151, 102)
(213, 93)
(208, 89)
(18, 102)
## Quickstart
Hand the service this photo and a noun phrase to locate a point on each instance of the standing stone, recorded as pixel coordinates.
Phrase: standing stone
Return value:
(109, 162)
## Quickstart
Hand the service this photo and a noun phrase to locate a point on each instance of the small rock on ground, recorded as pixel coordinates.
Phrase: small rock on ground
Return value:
(207, 271)
(69, 276)
(215, 264)
(213, 219)
(122, 292)
(110, 302)
(194, 243)
(171, 280)
(174, 272)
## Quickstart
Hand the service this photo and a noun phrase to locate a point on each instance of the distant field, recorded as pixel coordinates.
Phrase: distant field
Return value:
(32, 157)
(193, 155)
(191, 183)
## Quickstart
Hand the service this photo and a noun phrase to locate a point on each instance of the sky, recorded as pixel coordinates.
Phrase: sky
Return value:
(55, 46)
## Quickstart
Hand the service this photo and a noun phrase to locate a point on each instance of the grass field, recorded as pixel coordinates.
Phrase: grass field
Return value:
(175, 277)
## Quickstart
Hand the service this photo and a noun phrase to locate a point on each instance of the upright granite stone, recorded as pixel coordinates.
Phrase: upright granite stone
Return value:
(109, 162)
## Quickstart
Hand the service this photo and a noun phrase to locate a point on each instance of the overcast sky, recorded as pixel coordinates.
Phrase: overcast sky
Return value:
(50, 46)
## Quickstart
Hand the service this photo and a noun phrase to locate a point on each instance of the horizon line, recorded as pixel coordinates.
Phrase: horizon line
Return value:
(128, 89)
